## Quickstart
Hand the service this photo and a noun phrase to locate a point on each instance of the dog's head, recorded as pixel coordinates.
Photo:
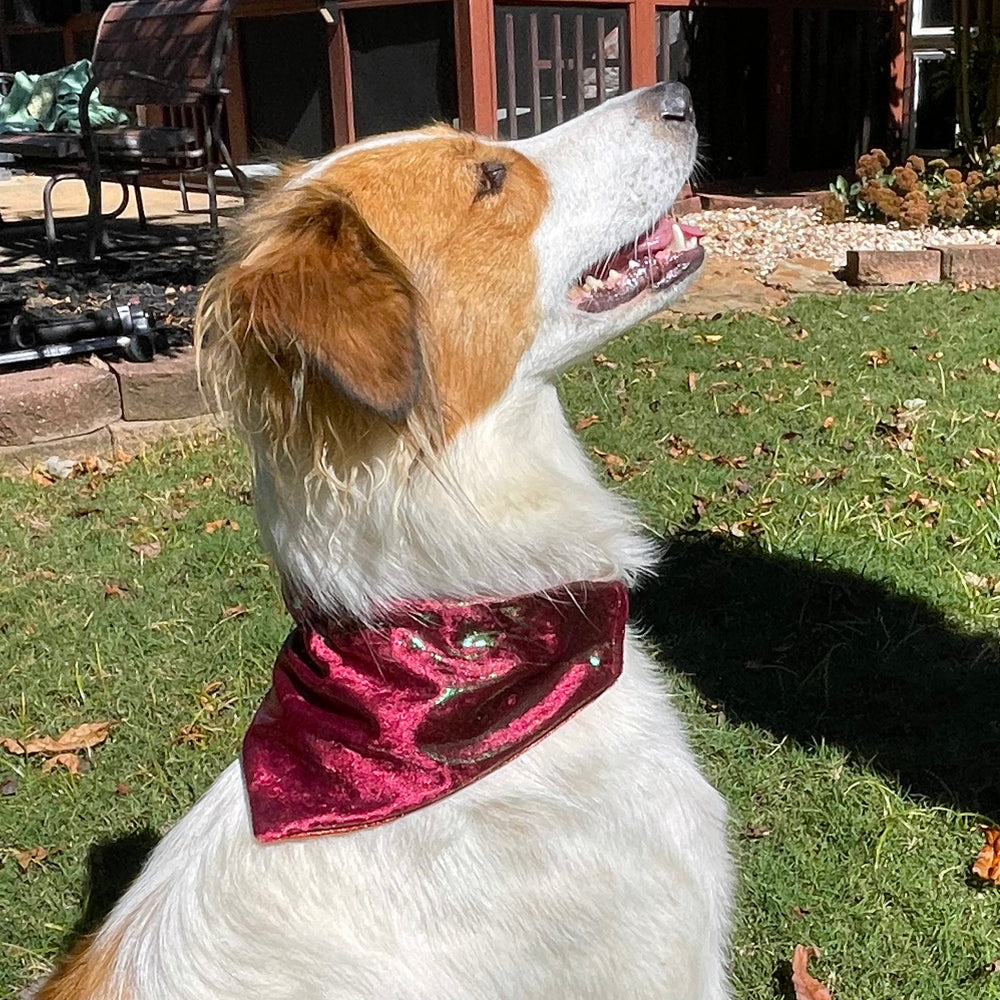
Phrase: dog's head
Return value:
(406, 281)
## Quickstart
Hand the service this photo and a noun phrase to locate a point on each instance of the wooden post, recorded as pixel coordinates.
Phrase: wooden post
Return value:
(475, 48)
(779, 87)
(900, 76)
(235, 101)
(641, 43)
(341, 86)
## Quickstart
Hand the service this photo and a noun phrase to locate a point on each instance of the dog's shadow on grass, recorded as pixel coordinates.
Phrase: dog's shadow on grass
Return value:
(112, 866)
(818, 654)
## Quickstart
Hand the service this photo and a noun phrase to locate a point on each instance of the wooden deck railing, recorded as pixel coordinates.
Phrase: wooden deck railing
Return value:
(554, 63)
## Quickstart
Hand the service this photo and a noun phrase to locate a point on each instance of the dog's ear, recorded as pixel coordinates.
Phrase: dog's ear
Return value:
(321, 284)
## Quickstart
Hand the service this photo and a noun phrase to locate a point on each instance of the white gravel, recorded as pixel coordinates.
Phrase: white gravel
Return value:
(763, 237)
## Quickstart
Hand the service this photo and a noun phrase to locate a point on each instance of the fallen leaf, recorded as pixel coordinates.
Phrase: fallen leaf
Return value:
(70, 761)
(994, 966)
(33, 856)
(747, 528)
(729, 461)
(224, 522)
(584, 422)
(800, 334)
(677, 447)
(81, 737)
(793, 364)
(935, 356)
(987, 863)
(122, 789)
(739, 410)
(990, 365)
(926, 504)
(692, 381)
(756, 832)
(192, 735)
(8, 786)
(236, 611)
(986, 455)
(800, 912)
(824, 388)
(148, 550)
(877, 358)
(828, 423)
(115, 590)
(804, 985)
(604, 361)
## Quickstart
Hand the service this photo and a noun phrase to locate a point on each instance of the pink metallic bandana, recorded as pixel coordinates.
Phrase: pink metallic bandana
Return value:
(366, 724)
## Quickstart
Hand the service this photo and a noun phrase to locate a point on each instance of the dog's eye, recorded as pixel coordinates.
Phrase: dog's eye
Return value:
(491, 178)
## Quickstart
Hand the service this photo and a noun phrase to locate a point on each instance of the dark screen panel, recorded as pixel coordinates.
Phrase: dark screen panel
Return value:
(402, 66)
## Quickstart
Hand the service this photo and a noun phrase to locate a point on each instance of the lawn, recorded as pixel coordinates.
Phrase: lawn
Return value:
(824, 481)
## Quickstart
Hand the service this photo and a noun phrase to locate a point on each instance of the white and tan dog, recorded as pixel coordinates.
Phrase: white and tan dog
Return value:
(388, 333)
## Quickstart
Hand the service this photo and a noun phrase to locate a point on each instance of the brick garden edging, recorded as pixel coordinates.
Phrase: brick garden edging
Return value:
(74, 410)
(976, 265)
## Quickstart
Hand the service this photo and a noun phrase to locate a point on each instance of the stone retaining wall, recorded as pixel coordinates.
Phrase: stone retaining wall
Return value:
(78, 409)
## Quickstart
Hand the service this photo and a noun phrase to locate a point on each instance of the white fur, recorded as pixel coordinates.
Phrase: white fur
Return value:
(594, 865)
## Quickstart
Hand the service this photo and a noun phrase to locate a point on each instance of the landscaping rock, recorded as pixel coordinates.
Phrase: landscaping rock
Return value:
(893, 267)
(804, 276)
(722, 286)
(976, 266)
(53, 403)
(163, 389)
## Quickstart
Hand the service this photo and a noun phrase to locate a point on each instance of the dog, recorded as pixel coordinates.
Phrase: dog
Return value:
(387, 331)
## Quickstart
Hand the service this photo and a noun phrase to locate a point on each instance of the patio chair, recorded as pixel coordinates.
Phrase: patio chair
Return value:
(157, 58)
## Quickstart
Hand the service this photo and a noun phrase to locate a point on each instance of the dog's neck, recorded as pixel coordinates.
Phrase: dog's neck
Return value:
(511, 506)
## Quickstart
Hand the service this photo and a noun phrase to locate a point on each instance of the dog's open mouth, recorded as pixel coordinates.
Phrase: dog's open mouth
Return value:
(657, 259)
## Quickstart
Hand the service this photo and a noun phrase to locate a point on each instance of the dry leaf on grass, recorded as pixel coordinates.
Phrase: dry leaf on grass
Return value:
(584, 422)
(236, 611)
(224, 522)
(82, 737)
(987, 863)
(70, 761)
(34, 856)
(692, 381)
(804, 985)
(149, 550)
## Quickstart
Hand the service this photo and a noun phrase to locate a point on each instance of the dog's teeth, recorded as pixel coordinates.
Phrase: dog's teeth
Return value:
(678, 243)
(634, 263)
(690, 243)
(613, 275)
(592, 283)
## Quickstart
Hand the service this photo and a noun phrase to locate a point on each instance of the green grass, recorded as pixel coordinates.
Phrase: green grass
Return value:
(833, 642)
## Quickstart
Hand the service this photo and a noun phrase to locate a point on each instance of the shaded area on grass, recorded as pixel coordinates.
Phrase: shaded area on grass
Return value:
(819, 654)
(112, 866)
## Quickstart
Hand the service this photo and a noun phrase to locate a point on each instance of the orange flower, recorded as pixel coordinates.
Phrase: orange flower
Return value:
(916, 164)
(916, 212)
(905, 179)
(953, 176)
(832, 207)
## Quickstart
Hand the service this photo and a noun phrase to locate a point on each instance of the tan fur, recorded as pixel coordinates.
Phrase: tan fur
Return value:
(370, 293)
(86, 973)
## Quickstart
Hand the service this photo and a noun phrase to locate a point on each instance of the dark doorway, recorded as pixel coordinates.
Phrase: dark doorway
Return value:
(287, 84)
(402, 66)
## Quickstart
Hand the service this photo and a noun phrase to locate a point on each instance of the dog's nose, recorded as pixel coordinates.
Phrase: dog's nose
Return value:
(675, 103)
